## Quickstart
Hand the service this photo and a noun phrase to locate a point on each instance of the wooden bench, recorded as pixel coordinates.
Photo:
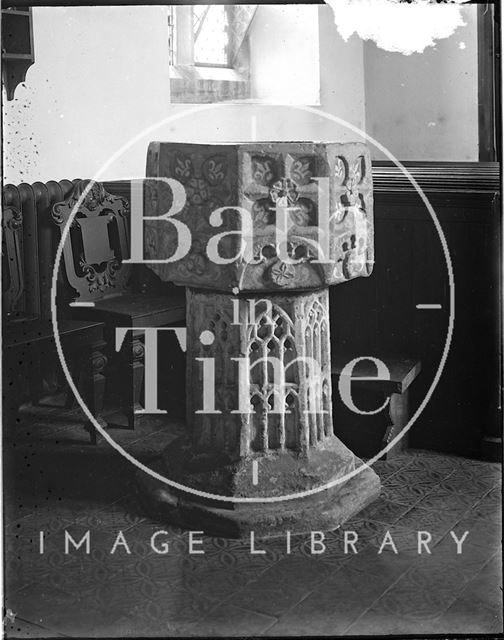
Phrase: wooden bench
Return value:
(403, 372)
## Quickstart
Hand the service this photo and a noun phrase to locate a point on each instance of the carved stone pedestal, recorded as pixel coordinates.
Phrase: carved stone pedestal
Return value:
(322, 511)
(259, 421)
(259, 418)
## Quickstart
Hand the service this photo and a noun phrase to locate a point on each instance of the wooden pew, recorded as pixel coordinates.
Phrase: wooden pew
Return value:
(93, 265)
(29, 242)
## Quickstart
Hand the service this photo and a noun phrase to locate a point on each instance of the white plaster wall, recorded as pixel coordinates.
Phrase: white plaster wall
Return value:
(342, 90)
(341, 94)
(284, 54)
(100, 76)
(425, 106)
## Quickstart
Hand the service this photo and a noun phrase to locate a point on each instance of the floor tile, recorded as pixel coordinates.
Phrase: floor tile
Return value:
(439, 462)
(383, 510)
(441, 497)
(282, 586)
(435, 521)
(467, 563)
(82, 620)
(401, 539)
(408, 495)
(135, 627)
(489, 508)
(171, 604)
(19, 628)
(67, 484)
(229, 621)
(421, 595)
(364, 530)
(468, 482)
(482, 531)
(449, 504)
(478, 609)
(412, 476)
(121, 515)
(36, 602)
(335, 604)
(332, 549)
(376, 622)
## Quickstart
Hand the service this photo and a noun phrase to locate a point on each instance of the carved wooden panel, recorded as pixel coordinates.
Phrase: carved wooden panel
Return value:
(12, 258)
(97, 242)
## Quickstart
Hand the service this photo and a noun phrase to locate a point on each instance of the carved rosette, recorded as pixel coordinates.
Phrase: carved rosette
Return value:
(305, 181)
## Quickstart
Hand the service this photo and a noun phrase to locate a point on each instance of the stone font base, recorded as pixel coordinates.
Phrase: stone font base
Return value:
(322, 511)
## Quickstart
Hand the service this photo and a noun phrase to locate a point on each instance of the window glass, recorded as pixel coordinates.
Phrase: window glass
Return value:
(210, 28)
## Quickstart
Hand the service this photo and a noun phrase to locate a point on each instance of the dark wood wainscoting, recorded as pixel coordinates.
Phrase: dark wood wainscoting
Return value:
(379, 314)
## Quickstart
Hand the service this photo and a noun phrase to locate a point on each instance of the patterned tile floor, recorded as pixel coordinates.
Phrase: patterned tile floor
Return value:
(56, 481)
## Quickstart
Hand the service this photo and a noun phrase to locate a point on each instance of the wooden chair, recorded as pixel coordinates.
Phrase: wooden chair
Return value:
(93, 254)
(28, 342)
